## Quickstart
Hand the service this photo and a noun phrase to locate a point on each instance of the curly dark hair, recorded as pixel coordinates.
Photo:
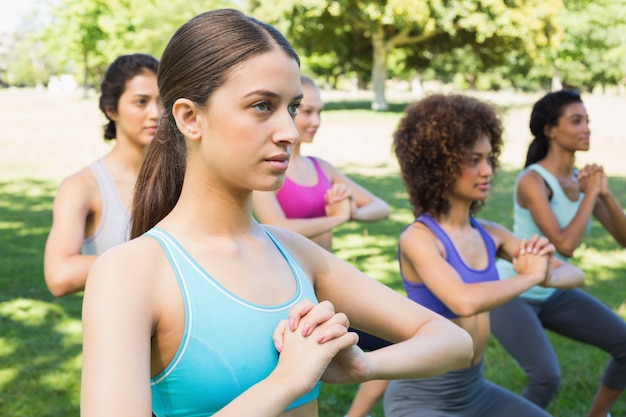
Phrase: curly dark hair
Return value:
(432, 142)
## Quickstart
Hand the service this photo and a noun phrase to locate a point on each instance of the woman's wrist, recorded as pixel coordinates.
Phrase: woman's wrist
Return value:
(353, 208)
(605, 194)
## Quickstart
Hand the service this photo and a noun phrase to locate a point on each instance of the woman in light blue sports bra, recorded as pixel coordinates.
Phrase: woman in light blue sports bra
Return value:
(553, 199)
(205, 312)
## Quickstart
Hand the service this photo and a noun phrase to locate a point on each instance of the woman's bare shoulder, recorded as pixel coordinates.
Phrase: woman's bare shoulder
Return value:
(135, 262)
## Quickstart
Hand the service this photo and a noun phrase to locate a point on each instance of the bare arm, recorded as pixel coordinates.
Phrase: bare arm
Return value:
(532, 194)
(423, 261)
(559, 275)
(65, 268)
(610, 213)
(116, 349)
(564, 276)
(426, 344)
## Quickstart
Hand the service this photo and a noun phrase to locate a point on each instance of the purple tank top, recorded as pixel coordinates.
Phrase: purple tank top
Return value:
(304, 202)
(419, 293)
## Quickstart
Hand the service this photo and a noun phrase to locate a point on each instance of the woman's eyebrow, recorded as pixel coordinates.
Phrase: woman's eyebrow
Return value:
(268, 93)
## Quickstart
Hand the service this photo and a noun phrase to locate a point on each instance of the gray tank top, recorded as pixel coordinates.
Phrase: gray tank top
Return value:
(114, 226)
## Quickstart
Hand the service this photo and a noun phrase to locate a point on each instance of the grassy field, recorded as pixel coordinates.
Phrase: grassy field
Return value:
(47, 136)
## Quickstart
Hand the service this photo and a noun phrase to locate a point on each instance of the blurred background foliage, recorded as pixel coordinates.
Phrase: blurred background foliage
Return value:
(350, 44)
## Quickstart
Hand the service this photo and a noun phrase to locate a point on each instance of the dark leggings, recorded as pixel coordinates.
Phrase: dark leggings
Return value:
(369, 342)
(519, 327)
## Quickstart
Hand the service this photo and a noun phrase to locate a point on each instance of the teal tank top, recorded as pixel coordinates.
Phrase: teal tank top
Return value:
(227, 342)
(524, 226)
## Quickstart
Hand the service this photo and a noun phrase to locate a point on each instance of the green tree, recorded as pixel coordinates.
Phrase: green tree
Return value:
(320, 26)
(76, 33)
(89, 34)
(593, 51)
(22, 58)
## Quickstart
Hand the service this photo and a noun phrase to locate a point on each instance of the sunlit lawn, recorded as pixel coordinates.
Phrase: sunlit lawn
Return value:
(40, 336)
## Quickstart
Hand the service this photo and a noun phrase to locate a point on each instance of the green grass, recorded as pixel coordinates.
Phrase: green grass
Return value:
(40, 336)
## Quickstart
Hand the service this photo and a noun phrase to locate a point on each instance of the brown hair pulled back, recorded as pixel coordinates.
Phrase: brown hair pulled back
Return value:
(432, 142)
(123, 69)
(197, 60)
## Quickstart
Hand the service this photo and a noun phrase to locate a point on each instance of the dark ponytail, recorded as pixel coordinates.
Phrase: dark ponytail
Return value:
(123, 69)
(546, 113)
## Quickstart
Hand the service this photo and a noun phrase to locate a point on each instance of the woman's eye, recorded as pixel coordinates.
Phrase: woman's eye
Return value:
(293, 108)
(263, 106)
(473, 161)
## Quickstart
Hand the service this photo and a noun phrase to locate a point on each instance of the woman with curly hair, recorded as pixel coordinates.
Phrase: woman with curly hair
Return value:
(447, 148)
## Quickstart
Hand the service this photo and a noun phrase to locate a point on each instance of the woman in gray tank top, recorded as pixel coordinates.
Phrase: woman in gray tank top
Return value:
(91, 209)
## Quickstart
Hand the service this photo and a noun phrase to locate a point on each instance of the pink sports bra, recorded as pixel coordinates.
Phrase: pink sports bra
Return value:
(304, 202)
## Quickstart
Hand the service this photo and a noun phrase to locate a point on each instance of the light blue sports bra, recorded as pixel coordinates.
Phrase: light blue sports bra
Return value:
(227, 343)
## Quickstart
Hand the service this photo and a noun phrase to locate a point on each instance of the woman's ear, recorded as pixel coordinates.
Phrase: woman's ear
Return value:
(111, 113)
(186, 114)
(547, 130)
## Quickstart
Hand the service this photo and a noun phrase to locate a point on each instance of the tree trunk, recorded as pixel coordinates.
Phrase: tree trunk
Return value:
(86, 73)
(471, 81)
(417, 89)
(556, 83)
(379, 71)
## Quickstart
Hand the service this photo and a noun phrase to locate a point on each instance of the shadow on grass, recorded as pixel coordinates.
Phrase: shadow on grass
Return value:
(40, 338)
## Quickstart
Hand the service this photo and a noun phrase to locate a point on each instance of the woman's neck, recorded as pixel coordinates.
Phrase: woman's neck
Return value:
(207, 206)
(126, 158)
(559, 162)
(458, 216)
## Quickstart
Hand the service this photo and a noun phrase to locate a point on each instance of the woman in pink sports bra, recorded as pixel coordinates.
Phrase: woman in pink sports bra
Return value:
(316, 197)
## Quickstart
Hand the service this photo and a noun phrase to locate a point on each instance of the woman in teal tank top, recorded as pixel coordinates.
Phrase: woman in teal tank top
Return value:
(205, 312)
(553, 199)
